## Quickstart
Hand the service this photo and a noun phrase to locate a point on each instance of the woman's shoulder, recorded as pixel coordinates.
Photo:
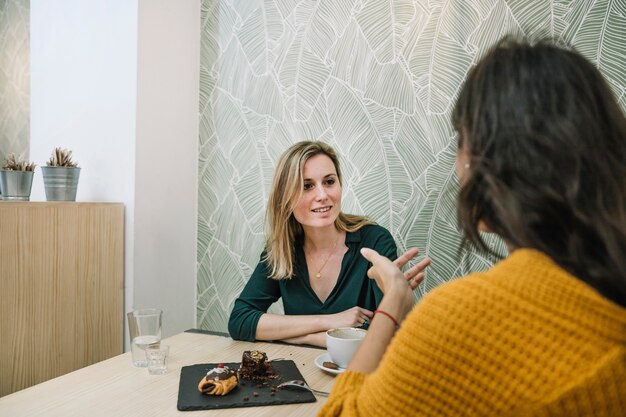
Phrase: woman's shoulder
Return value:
(472, 288)
(525, 279)
(375, 237)
(372, 231)
(459, 310)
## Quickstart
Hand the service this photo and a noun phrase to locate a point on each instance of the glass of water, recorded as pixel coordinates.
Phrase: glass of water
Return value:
(145, 331)
(157, 359)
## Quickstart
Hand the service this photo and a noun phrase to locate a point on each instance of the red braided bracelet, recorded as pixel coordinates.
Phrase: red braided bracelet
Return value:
(384, 313)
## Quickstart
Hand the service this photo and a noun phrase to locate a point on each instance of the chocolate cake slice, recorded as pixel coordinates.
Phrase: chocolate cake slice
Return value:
(255, 366)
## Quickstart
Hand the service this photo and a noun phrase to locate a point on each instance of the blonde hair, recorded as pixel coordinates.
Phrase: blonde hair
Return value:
(287, 186)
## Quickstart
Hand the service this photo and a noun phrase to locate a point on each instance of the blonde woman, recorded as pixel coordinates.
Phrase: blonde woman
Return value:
(311, 259)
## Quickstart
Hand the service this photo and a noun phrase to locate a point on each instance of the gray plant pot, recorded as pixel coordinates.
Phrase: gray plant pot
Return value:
(16, 185)
(60, 183)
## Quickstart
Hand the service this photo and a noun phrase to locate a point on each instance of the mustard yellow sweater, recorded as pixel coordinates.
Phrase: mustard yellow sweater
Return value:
(522, 339)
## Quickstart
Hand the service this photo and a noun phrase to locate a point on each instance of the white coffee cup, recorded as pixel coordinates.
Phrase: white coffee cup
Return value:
(342, 343)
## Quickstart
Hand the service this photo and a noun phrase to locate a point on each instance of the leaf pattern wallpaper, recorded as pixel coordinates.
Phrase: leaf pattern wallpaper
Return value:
(14, 78)
(377, 80)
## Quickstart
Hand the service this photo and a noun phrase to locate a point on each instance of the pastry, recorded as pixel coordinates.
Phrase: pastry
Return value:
(218, 381)
(255, 366)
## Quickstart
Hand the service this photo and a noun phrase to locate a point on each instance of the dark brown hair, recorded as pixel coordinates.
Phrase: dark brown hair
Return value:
(547, 146)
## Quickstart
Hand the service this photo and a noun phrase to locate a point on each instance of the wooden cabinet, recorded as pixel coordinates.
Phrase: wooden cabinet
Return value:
(62, 288)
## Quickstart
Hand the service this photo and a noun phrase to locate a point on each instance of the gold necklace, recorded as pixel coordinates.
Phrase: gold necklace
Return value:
(318, 275)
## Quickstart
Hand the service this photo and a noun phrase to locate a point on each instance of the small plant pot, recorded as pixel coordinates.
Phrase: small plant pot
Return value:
(60, 183)
(16, 185)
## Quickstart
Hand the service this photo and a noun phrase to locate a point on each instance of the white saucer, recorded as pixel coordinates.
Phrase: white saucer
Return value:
(325, 357)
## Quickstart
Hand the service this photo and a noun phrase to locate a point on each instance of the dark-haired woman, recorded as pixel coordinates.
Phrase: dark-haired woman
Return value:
(542, 163)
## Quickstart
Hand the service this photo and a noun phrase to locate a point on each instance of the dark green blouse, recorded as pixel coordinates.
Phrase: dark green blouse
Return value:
(353, 287)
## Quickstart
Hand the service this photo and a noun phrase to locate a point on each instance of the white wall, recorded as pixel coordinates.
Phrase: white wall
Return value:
(108, 82)
(83, 89)
(167, 160)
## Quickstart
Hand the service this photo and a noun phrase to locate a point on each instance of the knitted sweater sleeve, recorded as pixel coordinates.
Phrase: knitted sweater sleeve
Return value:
(417, 373)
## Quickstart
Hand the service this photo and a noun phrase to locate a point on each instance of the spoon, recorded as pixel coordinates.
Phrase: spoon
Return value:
(298, 383)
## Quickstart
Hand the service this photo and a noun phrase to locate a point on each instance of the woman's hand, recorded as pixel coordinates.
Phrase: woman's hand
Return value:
(397, 301)
(392, 281)
(413, 276)
(352, 317)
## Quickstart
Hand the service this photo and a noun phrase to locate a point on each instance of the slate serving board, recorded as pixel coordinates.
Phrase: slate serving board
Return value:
(189, 398)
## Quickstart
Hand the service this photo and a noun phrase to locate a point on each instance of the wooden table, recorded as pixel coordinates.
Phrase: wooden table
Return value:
(115, 387)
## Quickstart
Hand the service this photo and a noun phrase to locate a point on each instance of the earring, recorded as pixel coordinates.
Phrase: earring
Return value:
(467, 166)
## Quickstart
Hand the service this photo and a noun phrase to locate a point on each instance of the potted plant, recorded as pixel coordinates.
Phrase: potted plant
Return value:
(60, 176)
(16, 179)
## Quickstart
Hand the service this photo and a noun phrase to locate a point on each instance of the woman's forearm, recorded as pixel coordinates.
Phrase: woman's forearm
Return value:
(282, 327)
(381, 330)
(315, 339)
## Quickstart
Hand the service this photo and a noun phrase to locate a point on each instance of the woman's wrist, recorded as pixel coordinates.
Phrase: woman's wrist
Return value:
(397, 302)
(323, 322)
(389, 316)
